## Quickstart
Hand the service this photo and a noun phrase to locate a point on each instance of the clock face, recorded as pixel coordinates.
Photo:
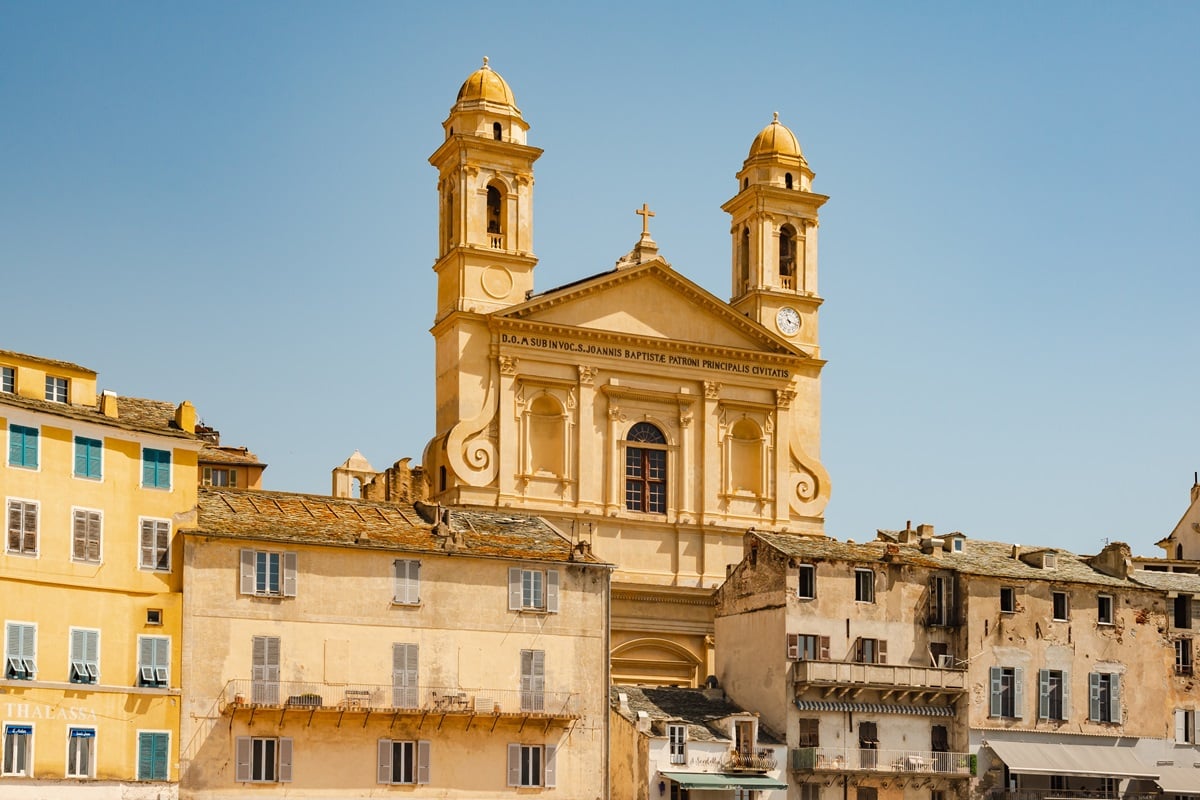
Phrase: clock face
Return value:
(788, 321)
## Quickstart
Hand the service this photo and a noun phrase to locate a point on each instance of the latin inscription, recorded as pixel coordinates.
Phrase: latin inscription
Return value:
(644, 356)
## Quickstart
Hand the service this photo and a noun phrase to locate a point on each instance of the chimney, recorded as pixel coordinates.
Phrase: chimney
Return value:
(1016, 551)
(623, 702)
(1115, 560)
(108, 404)
(924, 531)
(185, 417)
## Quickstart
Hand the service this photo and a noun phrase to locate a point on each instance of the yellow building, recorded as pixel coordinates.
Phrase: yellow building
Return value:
(94, 487)
(347, 648)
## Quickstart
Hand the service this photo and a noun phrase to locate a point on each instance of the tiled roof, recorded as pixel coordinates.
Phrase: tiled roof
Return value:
(687, 706)
(978, 557)
(134, 413)
(217, 454)
(6, 355)
(341, 522)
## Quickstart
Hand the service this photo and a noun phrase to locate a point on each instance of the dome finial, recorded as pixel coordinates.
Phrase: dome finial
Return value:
(485, 66)
(773, 122)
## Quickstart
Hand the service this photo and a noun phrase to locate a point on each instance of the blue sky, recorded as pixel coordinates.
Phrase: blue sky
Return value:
(230, 203)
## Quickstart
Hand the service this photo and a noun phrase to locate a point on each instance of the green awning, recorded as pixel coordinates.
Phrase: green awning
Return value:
(721, 780)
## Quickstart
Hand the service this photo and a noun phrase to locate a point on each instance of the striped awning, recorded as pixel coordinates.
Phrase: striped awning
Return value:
(876, 708)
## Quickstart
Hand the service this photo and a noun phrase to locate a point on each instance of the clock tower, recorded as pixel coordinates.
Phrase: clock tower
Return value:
(774, 238)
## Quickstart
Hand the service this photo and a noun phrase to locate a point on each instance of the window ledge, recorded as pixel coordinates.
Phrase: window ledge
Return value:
(99, 688)
(401, 604)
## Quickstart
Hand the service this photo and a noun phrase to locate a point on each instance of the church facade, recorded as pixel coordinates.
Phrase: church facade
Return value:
(631, 408)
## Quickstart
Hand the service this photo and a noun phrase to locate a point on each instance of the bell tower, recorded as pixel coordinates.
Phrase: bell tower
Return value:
(774, 237)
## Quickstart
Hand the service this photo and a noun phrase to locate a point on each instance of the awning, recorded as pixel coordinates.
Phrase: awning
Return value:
(876, 708)
(1053, 758)
(718, 780)
(1179, 780)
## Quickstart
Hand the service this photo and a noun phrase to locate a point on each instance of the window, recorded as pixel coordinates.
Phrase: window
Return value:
(264, 670)
(80, 744)
(497, 131)
(868, 745)
(85, 535)
(56, 389)
(20, 654)
(495, 213)
(1182, 612)
(806, 588)
(1183, 656)
(1185, 726)
(407, 582)
(533, 680)
(810, 791)
(18, 740)
(8, 380)
(220, 476)
(263, 760)
(22, 446)
(154, 661)
(1104, 697)
(87, 457)
(646, 470)
(866, 793)
(870, 651)
(23, 527)
(1104, 609)
(939, 743)
(533, 590)
(405, 684)
(809, 735)
(268, 574)
(156, 544)
(1008, 600)
(403, 762)
(864, 586)
(941, 600)
(1061, 607)
(1053, 694)
(156, 468)
(807, 647)
(787, 257)
(153, 749)
(1007, 692)
(85, 655)
(787, 180)
(531, 765)
(677, 743)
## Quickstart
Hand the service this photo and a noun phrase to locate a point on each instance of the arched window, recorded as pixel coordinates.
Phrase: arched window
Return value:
(448, 228)
(744, 261)
(745, 183)
(494, 208)
(787, 257)
(441, 479)
(646, 469)
(745, 457)
(787, 180)
(545, 436)
(497, 133)
(1179, 552)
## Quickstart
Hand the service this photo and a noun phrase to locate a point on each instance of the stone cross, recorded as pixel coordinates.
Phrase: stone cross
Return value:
(646, 214)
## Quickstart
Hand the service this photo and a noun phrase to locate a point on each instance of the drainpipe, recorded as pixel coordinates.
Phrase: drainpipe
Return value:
(606, 643)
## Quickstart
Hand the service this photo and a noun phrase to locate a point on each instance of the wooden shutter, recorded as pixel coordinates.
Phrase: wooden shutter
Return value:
(81, 456)
(30, 524)
(823, 641)
(423, 762)
(405, 664)
(248, 571)
(996, 679)
(242, 769)
(552, 591)
(14, 526)
(147, 543)
(162, 540)
(78, 646)
(1066, 694)
(79, 535)
(16, 452)
(148, 471)
(1043, 694)
(880, 651)
(514, 765)
(514, 589)
(1018, 692)
(551, 752)
(289, 574)
(949, 617)
(408, 577)
(1094, 696)
(1180, 726)
(285, 760)
(793, 647)
(934, 615)
(1114, 698)
(383, 768)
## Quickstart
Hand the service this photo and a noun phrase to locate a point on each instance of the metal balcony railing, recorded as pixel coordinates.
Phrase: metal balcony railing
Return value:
(1067, 794)
(749, 761)
(397, 699)
(856, 759)
(882, 676)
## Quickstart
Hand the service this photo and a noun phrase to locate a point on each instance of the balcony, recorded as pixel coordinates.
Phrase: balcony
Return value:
(749, 761)
(893, 681)
(438, 702)
(891, 762)
(1068, 794)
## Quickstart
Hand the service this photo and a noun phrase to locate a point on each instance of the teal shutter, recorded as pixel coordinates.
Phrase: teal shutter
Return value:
(152, 756)
(148, 472)
(81, 456)
(16, 445)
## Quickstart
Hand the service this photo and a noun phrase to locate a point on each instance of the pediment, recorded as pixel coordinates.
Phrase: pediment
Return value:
(652, 301)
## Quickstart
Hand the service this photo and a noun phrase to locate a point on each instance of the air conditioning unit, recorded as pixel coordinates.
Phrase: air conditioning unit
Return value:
(946, 661)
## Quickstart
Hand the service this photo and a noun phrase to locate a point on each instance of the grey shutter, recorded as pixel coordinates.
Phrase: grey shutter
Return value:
(793, 647)
(1066, 694)
(1114, 698)
(1180, 726)
(384, 765)
(242, 770)
(1094, 696)
(1043, 694)
(408, 576)
(405, 663)
(1018, 692)
(78, 645)
(423, 762)
(552, 591)
(996, 679)
(881, 651)
(289, 574)
(147, 543)
(514, 589)
(248, 572)
(551, 752)
(514, 765)
(824, 643)
(285, 760)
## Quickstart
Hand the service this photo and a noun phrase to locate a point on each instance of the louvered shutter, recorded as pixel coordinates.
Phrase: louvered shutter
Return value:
(551, 752)
(163, 543)
(881, 651)
(148, 471)
(1180, 726)
(1018, 692)
(28, 641)
(81, 457)
(423, 748)
(285, 760)
(248, 573)
(148, 539)
(79, 535)
(552, 591)
(514, 765)
(824, 643)
(78, 649)
(242, 769)
(996, 679)
(793, 647)
(1043, 694)
(1066, 695)
(514, 589)
(16, 447)
(384, 762)
(949, 615)
(1094, 696)
(1114, 698)
(405, 664)
(162, 660)
(146, 745)
(30, 528)
(14, 526)
(934, 615)
(289, 574)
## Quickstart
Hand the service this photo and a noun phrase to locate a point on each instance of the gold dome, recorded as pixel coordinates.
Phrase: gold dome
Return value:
(484, 84)
(775, 140)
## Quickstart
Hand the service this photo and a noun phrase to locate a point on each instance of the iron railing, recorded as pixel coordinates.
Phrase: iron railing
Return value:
(884, 675)
(869, 760)
(749, 761)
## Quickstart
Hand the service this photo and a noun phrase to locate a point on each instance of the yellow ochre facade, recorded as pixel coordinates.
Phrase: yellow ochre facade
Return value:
(94, 488)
